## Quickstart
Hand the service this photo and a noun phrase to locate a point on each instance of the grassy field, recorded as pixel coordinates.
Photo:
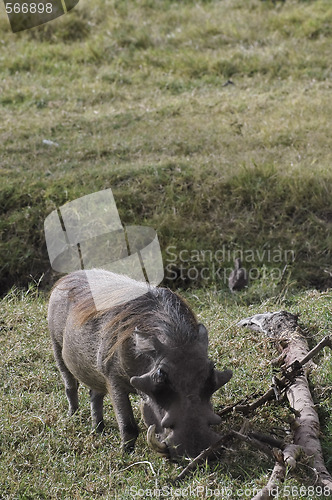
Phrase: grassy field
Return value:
(211, 122)
(47, 455)
(137, 95)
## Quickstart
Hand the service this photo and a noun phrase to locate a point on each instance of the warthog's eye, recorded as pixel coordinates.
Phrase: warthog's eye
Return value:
(163, 393)
(160, 377)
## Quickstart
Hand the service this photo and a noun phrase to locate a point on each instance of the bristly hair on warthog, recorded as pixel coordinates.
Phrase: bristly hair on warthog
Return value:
(142, 339)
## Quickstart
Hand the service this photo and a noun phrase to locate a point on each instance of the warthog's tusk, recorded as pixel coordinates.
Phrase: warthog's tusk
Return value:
(154, 443)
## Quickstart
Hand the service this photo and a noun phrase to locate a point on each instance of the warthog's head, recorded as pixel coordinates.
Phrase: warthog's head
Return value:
(176, 396)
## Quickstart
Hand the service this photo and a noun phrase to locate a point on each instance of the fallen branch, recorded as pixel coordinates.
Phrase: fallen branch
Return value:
(283, 327)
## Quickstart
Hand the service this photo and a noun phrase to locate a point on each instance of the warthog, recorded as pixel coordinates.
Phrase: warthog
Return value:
(151, 344)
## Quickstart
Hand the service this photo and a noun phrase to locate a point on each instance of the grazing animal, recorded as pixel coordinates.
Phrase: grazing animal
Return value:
(238, 278)
(151, 344)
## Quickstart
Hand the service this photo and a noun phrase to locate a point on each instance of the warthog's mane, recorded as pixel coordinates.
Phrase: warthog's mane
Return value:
(154, 312)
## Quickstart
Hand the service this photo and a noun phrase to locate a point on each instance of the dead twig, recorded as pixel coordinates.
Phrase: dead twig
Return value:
(284, 382)
(228, 409)
(325, 342)
(219, 445)
(262, 442)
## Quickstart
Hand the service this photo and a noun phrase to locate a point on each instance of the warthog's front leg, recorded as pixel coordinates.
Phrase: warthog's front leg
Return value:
(97, 402)
(124, 416)
(72, 394)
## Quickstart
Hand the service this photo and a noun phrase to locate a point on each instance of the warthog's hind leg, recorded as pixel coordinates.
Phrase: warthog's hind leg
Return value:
(97, 400)
(71, 383)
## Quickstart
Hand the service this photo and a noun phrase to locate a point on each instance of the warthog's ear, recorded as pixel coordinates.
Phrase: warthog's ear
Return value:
(203, 335)
(221, 378)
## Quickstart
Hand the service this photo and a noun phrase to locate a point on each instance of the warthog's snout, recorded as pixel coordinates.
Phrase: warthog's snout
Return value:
(174, 448)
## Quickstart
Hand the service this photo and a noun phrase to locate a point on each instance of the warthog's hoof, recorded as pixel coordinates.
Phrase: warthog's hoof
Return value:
(100, 427)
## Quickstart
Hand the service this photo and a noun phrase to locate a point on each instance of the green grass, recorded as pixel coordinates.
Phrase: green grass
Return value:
(47, 455)
(133, 93)
(137, 96)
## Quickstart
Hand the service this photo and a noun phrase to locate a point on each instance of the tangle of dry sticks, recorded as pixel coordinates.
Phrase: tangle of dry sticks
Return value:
(295, 355)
